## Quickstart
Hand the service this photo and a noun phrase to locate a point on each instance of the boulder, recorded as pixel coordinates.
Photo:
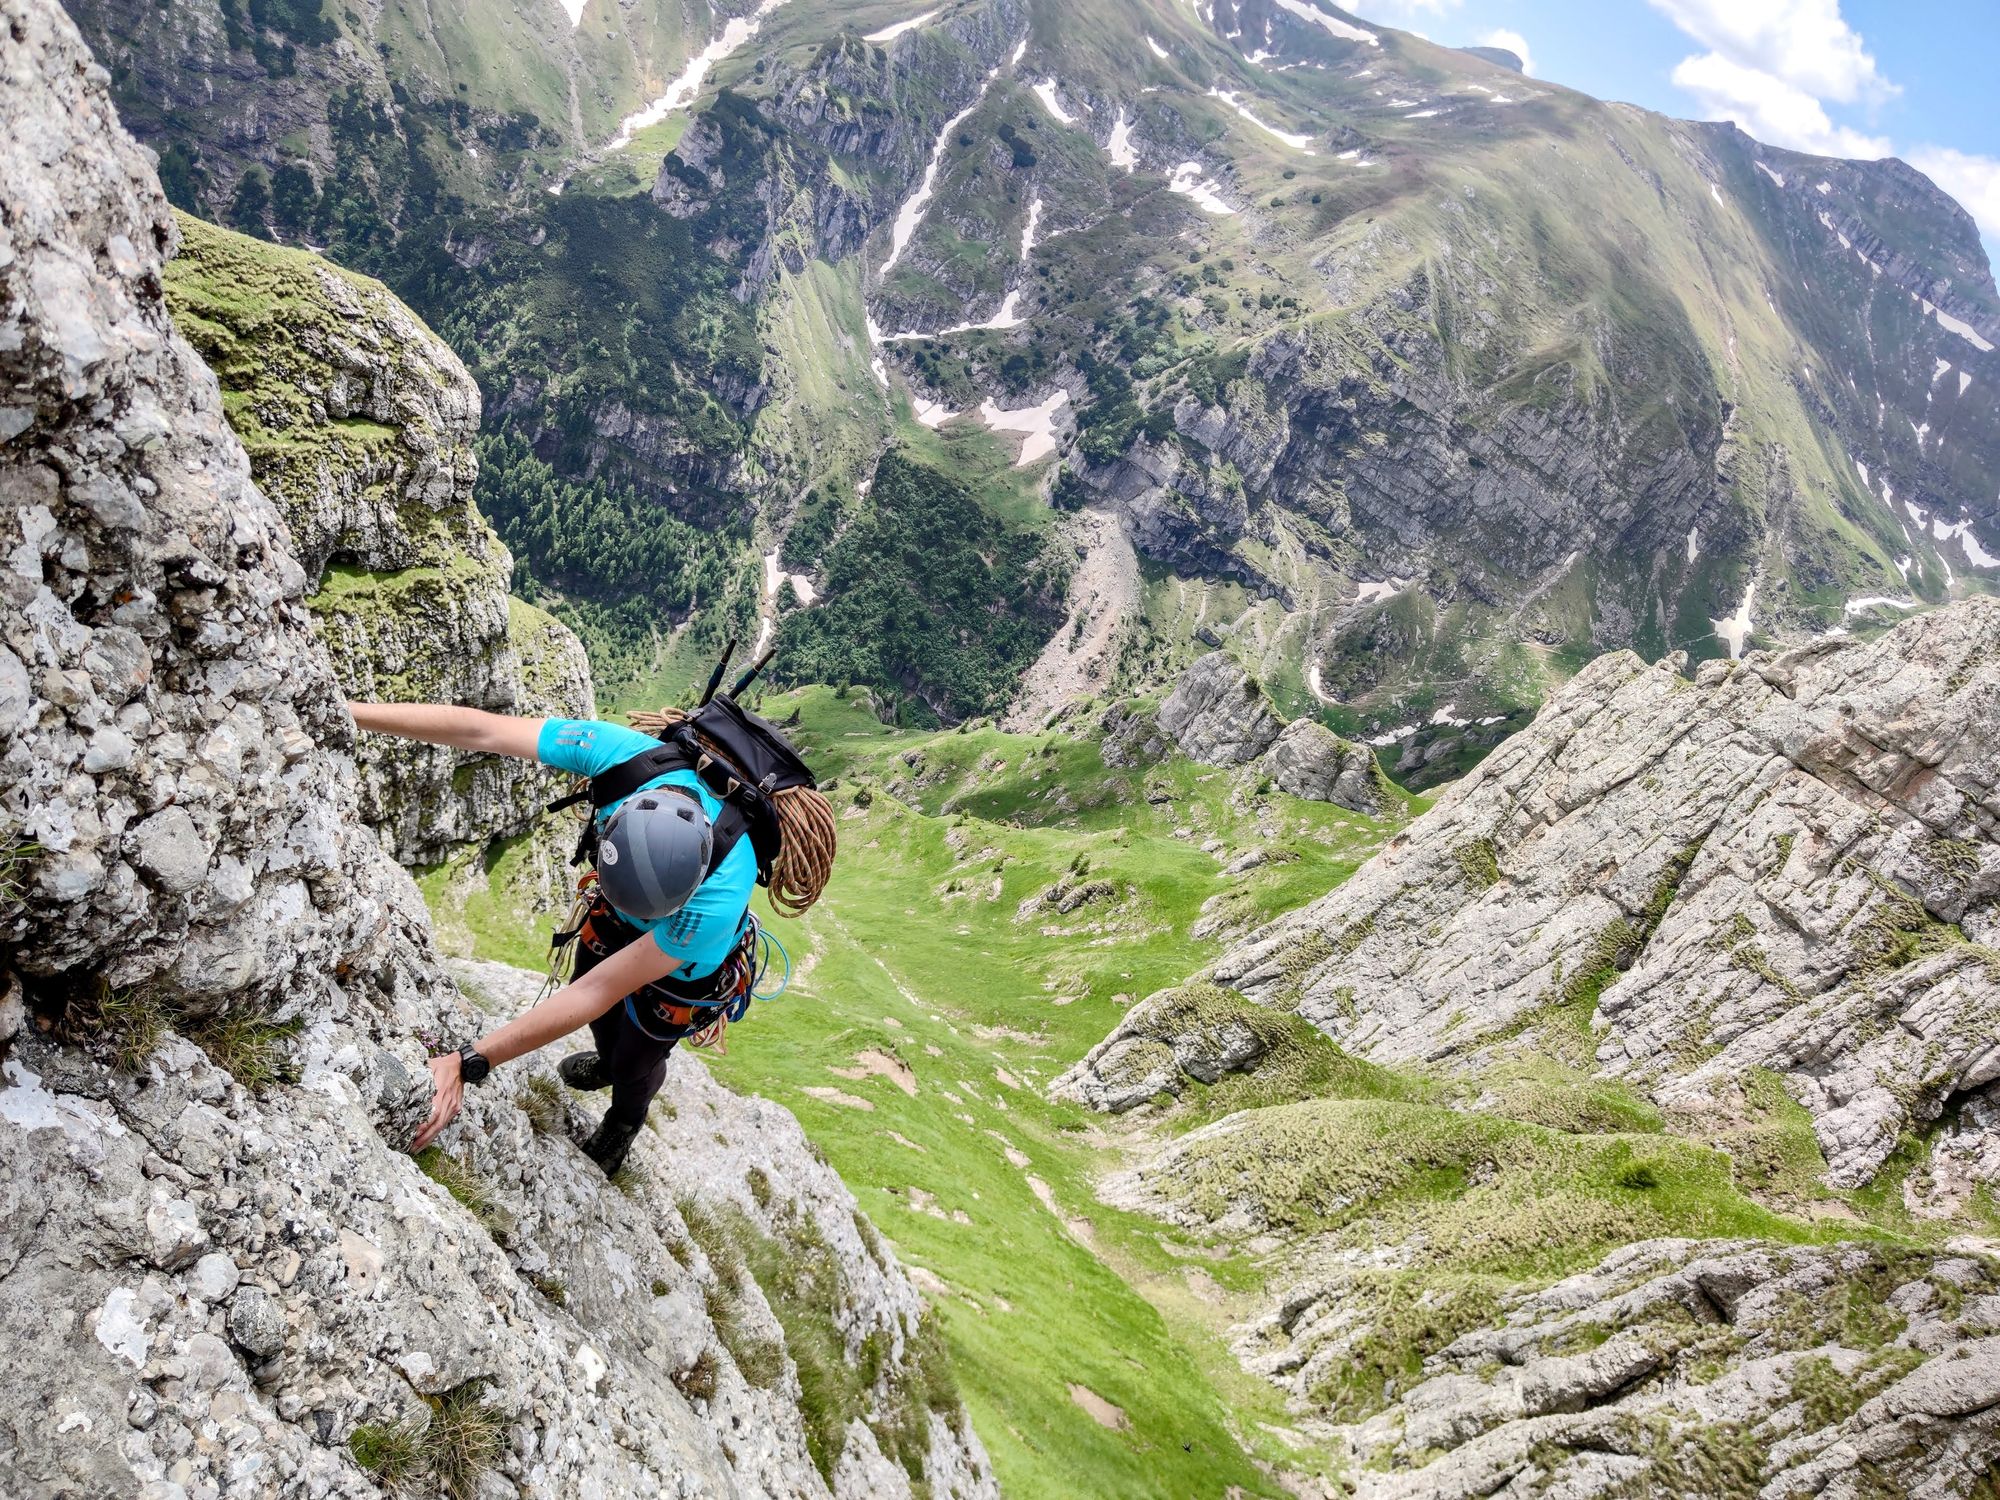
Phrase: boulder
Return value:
(1218, 714)
(1311, 761)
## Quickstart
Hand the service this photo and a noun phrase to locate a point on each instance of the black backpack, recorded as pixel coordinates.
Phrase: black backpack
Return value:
(742, 760)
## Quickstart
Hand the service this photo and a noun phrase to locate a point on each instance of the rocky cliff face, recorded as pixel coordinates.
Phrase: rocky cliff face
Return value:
(1790, 864)
(359, 423)
(1684, 985)
(1434, 380)
(223, 1275)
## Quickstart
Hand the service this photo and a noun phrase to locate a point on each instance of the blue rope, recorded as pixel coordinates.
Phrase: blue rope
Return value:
(766, 943)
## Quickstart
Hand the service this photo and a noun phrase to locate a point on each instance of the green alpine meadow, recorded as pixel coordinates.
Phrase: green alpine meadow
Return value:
(1107, 750)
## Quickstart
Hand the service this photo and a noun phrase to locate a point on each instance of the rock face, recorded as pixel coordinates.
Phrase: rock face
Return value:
(1789, 864)
(1702, 1368)
(1311, 761)
(1219, 716)
(223, 1274)
(359, 423)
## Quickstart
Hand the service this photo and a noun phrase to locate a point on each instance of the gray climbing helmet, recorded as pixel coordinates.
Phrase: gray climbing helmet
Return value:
(653, 854)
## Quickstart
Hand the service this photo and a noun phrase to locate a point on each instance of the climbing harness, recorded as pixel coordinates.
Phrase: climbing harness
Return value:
(697, 1011)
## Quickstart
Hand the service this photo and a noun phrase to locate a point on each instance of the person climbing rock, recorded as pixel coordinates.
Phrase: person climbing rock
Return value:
(674, 864)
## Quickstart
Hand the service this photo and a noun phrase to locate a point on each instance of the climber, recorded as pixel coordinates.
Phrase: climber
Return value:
(653, 875)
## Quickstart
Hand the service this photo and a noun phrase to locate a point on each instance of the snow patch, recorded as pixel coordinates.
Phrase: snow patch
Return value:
(1007, 317)
(1028, 229)
(1858, 464)
(1333, 24)
(1735, 628)
(1822, 187)
(1694, 543)
(1046, 92)
(1375, 593)
(875, 365)
(1158, 51)
(890, 33)
(574, 10)
(680, 93)
(1421, 114)
(1394, 736)
(1189, 183)
(1715, 193)
(775, 577)
(1964, 380)
(1774, 176)
(1964, 330)
(1975, 554)
(1943, 369)
(1296, 142)
(931, 413)
(1120, 148)
(1878, 601)
(1037, 423)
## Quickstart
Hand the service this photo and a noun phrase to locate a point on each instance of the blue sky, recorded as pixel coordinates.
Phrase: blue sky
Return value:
(1915, 79)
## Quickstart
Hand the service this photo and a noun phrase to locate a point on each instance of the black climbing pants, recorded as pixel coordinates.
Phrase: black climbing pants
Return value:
(635, 1063)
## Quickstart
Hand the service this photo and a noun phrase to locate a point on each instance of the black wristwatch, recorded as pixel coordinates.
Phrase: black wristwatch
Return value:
(472, 1066)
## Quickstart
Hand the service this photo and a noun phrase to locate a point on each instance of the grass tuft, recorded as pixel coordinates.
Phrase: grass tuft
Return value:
(462, 1441)
(393, 1452)
(542, 1102)
(458, 1178)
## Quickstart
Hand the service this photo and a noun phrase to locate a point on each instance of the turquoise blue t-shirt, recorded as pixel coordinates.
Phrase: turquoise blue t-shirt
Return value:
(704, 932)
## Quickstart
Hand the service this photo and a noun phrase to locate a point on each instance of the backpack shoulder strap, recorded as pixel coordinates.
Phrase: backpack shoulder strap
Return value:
(618, 782)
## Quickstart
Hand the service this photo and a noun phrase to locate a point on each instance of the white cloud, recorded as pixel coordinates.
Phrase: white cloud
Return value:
(1973, 180)
(1769, 108)
(1804, 43)
(1514, 42)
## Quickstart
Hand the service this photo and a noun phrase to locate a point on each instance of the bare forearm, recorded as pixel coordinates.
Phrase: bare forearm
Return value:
(627, 971)
(571, 1006)
(448, 724)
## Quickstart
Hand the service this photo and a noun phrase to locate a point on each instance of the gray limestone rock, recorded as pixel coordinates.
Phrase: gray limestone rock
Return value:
(1311, 761)
(1791, 864)
(1218, 715)
(148, 1209)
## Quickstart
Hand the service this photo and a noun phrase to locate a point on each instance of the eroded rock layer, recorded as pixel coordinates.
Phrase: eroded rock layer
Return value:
(1788, 864)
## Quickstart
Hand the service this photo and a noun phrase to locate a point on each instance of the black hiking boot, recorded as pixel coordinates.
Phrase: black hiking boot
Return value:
(610, 1143)
(583, 1071)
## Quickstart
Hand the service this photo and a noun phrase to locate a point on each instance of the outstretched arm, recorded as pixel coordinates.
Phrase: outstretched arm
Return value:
(447, 724)
(632, 968)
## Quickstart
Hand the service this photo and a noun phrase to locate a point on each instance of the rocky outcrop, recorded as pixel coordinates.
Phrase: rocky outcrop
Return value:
(1196, 1032)
(1789, 864)
(359, 423)
(1218, 715)
(1311, 761)
(222, 1274)
(1680, 1367)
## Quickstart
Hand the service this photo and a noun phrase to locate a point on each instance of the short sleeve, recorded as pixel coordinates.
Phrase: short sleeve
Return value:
(588, 747)
(702, 933)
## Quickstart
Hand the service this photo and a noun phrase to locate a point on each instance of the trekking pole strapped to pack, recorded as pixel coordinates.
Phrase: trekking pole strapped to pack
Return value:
(767, 791)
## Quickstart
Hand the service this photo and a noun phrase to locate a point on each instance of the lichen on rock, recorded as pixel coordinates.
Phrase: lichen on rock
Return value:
(359, 422)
